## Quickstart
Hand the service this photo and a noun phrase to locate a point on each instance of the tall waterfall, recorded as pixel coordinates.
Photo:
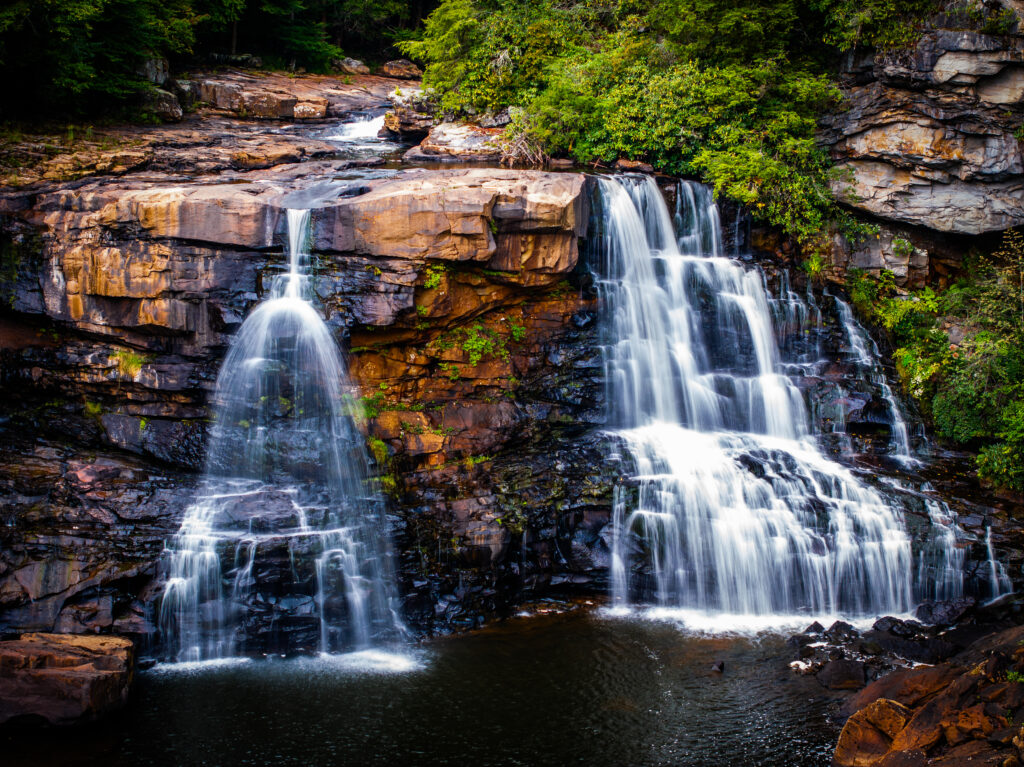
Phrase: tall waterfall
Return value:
(731, 506)
(285, 534)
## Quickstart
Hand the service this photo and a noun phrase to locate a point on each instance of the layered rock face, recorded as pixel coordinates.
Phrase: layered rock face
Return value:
(470, 347)
(928, 141)
(928, 135)
(64, 679)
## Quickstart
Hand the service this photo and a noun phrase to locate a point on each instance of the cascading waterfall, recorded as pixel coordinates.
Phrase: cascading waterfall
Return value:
(285, 529)
(731, 507)
(869, 366)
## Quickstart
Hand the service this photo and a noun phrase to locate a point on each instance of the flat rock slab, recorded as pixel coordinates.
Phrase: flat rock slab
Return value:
(276, 96)
(64, 678)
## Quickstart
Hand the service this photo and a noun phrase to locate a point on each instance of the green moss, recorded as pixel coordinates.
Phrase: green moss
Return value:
(379, 450)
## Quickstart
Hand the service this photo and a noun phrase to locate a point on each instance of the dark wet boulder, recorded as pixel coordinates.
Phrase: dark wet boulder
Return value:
(944, 613)
(842, 674)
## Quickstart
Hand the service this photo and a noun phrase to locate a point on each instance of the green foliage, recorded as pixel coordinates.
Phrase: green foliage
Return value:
(92, 410)
(77, 56)
(379, 450)
(878, 23)
(435, 274)
(1014, 676)
(730, 92)
(972, 391)
(129, 363)
(68, 54)
(479, 342)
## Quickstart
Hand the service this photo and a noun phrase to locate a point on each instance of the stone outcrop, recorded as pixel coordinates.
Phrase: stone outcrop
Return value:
(470, 339)
(278, 97)
(412, 113)
(965, 711)
(926, 136)
(458, 142)
(63, 679)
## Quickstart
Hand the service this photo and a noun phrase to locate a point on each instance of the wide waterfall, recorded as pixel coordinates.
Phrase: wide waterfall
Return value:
(731, 506)
(286, 536)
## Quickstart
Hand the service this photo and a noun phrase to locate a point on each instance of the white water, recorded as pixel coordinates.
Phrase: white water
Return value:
(730, 508)
(285, 529)
(363, 130)
(868, 364)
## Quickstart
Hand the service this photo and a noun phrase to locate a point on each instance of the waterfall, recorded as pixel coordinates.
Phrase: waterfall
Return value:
(871, 369)
(731, 506)
(285, 534)
(361, 129)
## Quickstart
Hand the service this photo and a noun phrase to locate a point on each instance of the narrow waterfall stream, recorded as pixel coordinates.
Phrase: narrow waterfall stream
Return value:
(731, 507)
(285, 538)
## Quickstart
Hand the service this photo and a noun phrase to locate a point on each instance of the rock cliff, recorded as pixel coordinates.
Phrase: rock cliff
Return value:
(469, 337)
(928, 141)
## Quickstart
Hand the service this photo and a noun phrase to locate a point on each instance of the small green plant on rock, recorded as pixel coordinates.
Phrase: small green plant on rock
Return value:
(435, 274)
(815, 266)
(129, 363)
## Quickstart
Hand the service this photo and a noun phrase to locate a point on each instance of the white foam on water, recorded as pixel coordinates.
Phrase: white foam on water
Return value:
(368, 662)
(710, 623)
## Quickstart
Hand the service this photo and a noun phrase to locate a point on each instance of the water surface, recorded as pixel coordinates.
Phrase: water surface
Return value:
(567, 689)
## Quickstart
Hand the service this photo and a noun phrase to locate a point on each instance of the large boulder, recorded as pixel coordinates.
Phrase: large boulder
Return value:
(64, 679)
(351, 66)
(402, 69)
(458, 142)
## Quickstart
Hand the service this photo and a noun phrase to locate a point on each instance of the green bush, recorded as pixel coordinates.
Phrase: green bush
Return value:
(730, 92)
(972, 392)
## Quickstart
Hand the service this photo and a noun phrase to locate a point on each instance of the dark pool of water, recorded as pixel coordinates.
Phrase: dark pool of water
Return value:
(568, 689)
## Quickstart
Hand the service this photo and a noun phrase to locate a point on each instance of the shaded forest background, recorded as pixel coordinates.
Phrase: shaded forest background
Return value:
(71, 58)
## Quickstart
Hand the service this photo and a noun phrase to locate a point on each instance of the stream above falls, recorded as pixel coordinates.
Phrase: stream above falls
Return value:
(575, 688)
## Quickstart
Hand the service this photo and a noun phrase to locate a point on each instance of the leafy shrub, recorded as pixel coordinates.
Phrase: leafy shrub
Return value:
(973, 392)
(730, 92)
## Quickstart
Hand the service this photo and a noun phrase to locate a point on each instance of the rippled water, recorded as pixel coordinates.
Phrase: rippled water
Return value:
(580, 688)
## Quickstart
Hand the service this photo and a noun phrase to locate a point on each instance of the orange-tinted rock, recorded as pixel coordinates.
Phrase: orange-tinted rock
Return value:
(867, 735)
(907, 686)
(64, 678)
(458, 142)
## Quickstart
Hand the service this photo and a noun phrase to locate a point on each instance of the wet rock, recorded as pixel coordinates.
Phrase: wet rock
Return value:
(958, 713)
(910, 687)
(842, 675)
(944, 613)
(412, 113)
(402, 69)
(867, 736)
(64, 679)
